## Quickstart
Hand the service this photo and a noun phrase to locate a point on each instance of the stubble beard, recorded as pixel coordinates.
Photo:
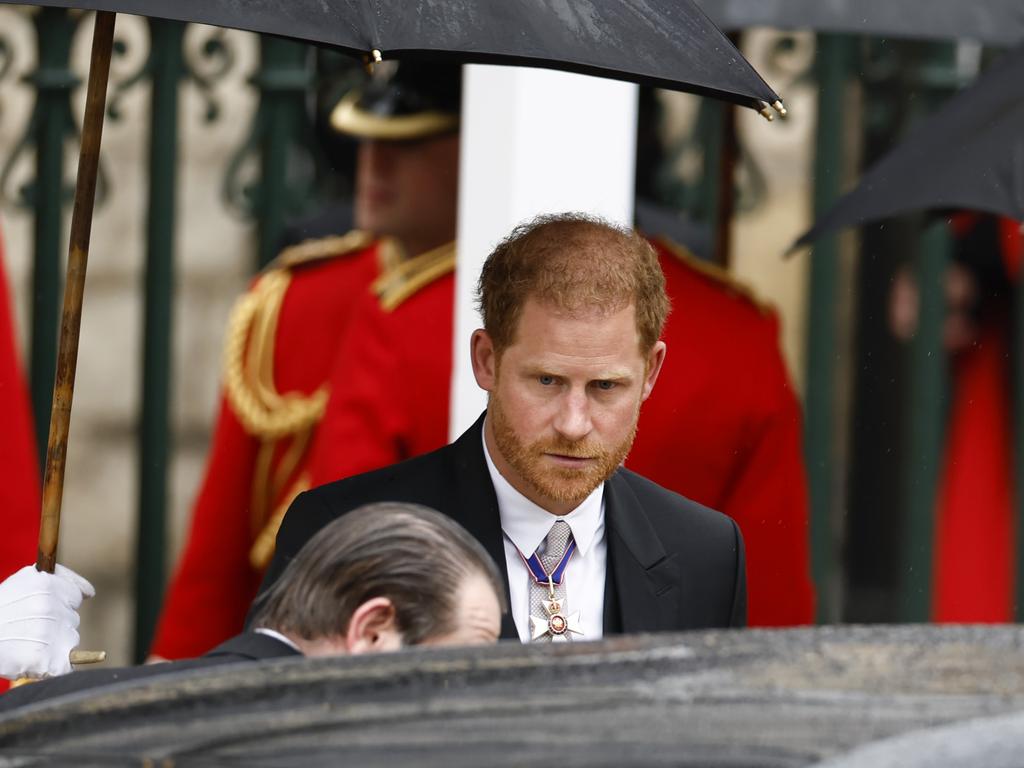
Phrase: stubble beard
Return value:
(559, 484)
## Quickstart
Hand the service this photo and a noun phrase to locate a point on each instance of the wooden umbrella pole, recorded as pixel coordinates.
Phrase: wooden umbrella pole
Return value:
(71, 315)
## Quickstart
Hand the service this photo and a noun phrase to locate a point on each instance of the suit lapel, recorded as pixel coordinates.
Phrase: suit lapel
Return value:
(644, 577)
(475, 506)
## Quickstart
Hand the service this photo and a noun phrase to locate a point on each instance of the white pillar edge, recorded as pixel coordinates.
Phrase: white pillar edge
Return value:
(533, 141)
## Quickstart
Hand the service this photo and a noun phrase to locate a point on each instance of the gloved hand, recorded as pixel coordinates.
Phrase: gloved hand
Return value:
(39, 621)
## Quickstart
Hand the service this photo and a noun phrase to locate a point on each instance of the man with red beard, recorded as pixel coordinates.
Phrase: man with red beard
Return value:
(573, 313)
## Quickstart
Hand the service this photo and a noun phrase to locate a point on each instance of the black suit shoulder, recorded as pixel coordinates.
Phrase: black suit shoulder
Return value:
(246, 647)
(423, 480)
(706, 544)
(666, 509)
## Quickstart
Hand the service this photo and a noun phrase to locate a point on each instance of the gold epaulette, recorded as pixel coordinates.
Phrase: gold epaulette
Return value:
(715, 273)
(401, 281)
(321, 248)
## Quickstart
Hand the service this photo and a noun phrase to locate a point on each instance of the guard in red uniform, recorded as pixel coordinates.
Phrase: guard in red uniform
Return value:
(286, 335)
(975, 553)
(19, 488)
(723, 426)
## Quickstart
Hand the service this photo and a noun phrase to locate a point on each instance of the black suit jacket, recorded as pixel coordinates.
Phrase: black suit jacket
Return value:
(248, 646)
(672, 563)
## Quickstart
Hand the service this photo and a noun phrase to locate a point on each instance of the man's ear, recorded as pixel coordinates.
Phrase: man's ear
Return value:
(373, 628)
(485, 360)
(655, 359)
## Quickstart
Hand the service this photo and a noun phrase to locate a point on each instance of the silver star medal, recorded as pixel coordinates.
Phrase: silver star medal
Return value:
(556, 623)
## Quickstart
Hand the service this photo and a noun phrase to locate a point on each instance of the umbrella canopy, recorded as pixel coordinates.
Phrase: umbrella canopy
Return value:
(666, 43)
(970, 154)
(996, 22)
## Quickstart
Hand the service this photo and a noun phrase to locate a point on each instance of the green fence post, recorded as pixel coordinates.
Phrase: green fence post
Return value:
(928, 370)
(924, 426)
(833, 64)
(166, 67)
(701, 201)
(51, 124)
(284, 78)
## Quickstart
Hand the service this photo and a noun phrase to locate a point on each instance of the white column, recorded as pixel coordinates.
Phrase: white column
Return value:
(533, 141)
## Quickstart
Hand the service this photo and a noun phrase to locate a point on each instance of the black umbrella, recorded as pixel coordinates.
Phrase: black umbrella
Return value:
(970, 154)
(997, 22)
(665, 43)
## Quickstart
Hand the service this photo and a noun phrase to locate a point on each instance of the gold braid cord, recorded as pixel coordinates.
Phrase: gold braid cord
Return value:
(249, 366)
(263, 548)
(264, 413)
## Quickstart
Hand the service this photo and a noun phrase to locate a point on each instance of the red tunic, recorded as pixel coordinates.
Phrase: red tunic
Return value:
(975, 529)
(19, 489)
(216, 580)
(723, 427)
(391, 389)
(974, 578)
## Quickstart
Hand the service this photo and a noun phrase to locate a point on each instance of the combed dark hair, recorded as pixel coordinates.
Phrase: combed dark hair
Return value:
(412, 555)
(575, 262)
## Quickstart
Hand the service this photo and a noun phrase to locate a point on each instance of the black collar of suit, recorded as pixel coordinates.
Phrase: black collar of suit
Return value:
(253, 645)
(639, 594)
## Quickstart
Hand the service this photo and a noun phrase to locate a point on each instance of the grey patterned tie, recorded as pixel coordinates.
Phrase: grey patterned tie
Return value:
(545, 624)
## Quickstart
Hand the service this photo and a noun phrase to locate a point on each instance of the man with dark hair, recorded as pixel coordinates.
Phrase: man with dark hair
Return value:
(573, 312)
(380, 578)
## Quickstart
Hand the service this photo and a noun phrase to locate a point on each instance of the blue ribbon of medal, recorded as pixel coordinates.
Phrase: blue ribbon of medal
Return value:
(541, 576)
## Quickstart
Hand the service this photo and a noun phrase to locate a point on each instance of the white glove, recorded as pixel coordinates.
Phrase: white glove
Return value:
(39, 621)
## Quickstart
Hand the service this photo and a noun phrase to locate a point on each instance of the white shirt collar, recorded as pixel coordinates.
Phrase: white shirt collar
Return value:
(526, 524)
(277, 636)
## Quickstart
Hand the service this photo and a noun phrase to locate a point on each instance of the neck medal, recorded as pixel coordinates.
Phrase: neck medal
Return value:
(557, 623)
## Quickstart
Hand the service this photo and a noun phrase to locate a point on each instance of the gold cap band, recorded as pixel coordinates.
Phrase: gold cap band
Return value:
(349, 119)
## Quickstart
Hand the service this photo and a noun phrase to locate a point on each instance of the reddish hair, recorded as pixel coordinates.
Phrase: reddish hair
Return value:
(574, 262)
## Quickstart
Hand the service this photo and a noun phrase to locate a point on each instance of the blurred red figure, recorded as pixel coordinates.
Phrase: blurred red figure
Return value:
(283, 336)
(975, 552)
(19, 490)
(723, 426)
(286, 335)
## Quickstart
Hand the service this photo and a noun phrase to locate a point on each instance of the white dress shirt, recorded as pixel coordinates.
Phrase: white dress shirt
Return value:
(277, 636)
(526, 525)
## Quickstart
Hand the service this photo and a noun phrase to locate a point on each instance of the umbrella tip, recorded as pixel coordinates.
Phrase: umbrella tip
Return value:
(779, 107)
(373, 57)
(766, 112)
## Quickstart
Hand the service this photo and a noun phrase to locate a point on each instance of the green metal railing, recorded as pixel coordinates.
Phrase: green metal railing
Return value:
(51, 125)
(834, 70)
(166, 66)
(925, 426)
